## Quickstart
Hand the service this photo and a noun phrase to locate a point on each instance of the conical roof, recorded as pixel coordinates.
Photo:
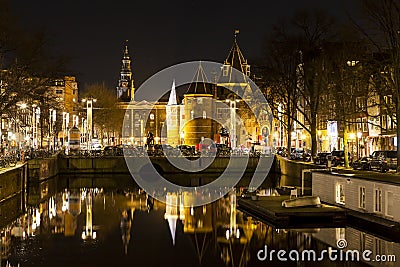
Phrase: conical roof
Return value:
(172, 96)
(199, 84)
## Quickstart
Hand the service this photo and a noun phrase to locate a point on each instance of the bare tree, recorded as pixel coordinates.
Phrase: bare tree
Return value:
(382, 29)
(280, 78)
(299, 64)
(107, 116)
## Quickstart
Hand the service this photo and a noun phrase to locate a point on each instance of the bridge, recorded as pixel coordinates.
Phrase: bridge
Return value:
(210, 169)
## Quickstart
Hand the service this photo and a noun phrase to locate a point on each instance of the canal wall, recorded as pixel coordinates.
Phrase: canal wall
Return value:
(13, 182)
(44, 168)
(292, 168)
(117, 165)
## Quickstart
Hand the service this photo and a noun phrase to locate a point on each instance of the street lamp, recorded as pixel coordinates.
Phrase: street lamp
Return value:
(89, 118)
(232, 105)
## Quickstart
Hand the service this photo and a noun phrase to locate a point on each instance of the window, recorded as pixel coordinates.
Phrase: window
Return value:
(192, 114)
(204, 114)
(364, 124)
(340, 234)
(340, 197)
(225, 70)
(362, 241)
(378, 200)
(59, 91)
(389, 203)
(247, 70)
(358, 123)
(361, 197)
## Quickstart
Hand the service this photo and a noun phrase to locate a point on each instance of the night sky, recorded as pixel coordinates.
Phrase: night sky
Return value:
(160, 33)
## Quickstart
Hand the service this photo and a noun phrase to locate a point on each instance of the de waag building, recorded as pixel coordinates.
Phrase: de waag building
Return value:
(197, 112)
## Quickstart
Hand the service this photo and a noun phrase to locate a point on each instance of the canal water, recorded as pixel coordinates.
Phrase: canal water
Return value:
(77, 221)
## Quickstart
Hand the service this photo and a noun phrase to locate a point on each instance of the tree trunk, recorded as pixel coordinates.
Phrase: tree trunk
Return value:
(345, 146)
(314, 144)
(398, 132)
(289, 135)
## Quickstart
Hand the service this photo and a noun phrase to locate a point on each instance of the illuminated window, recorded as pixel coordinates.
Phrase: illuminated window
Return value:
(247, 70)
(389, 204)
(340, 197)
(225, 70)
(361, 197)
(204, 114)
(378, 200)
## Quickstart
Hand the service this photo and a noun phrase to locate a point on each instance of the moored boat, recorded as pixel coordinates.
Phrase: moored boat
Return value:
(302, 202)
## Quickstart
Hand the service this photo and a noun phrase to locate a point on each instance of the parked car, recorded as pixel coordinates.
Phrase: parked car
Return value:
(281, 151)
(300, 154)
(223, 150)
(322, 158)
(187, 150)
(296, 153)
(337, 157)
(113, 151)
(362, 163)
(383, 160)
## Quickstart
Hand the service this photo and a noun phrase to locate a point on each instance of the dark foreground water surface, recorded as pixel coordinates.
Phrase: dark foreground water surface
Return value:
(72, 223)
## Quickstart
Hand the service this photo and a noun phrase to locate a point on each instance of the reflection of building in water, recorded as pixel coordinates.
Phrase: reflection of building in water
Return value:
(233, 233)
(358, 240)
(171, 213)
(88, 232)
(198, 224)
(125, 225)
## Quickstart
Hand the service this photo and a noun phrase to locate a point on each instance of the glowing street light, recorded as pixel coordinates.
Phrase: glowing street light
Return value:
(89, 112)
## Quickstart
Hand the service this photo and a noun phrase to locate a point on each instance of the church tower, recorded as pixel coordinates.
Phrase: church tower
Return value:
(125, 88)
(172, 118)
(237, 81)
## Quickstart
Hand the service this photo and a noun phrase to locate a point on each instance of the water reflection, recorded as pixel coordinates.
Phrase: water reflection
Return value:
(113, 227)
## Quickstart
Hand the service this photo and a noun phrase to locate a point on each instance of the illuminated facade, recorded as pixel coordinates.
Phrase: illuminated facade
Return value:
(230, 100)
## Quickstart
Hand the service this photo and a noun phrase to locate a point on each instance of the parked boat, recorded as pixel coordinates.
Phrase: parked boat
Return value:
(302, 202)
(285, 190)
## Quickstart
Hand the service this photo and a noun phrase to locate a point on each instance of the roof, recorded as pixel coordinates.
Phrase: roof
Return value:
(200, 83)
(236, 60)
(172, 96)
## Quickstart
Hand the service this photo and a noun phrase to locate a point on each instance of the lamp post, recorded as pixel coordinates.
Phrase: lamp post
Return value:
(89, 119)
(232, 105)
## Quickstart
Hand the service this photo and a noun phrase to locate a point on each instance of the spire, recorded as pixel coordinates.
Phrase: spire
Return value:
(126, 52)
(172, 96)
(125, 88)
(235, 57)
